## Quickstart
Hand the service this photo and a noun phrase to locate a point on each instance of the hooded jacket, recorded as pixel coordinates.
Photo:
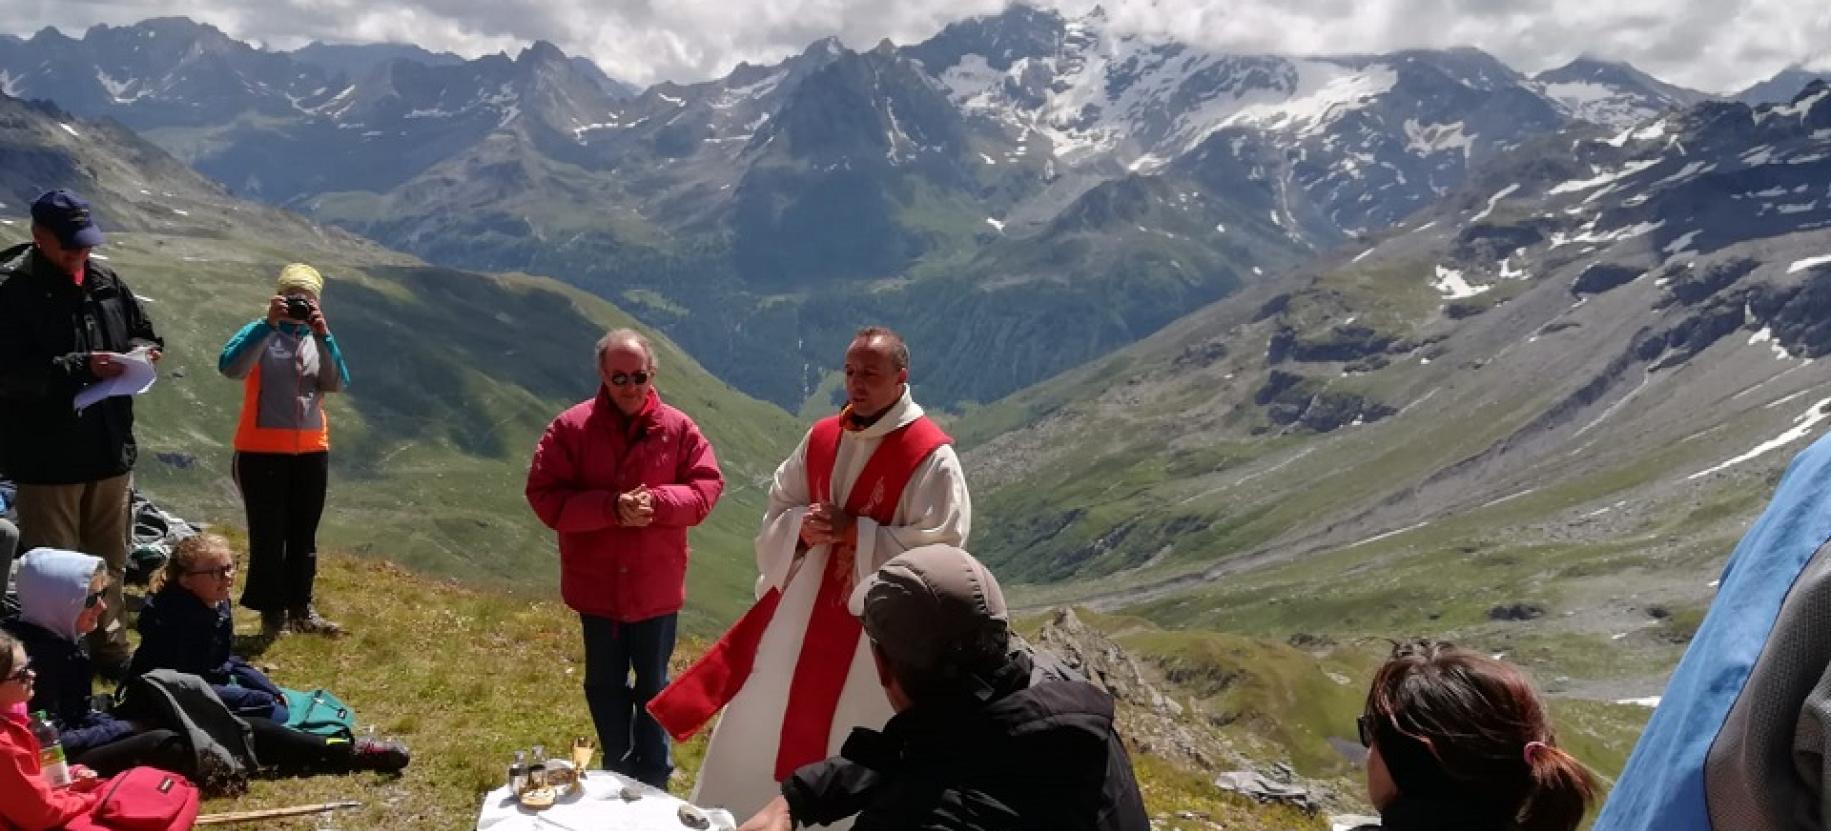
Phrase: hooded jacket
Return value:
(588, 456)
(48, 327)
(1038, 751)
(52, 585)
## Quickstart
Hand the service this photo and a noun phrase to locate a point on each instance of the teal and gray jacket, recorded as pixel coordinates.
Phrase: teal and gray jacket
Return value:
(286, 371)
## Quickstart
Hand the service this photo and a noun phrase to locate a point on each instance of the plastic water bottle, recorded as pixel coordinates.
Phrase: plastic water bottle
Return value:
(50, 751)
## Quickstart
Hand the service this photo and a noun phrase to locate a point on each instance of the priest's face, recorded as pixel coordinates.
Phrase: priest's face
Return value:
(627, 373)
(873, 381)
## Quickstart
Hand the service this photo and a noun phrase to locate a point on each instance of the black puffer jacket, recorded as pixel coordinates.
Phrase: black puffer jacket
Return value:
(48, 327)
(1038, 752)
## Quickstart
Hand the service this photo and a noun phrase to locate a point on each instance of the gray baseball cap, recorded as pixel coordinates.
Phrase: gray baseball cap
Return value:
(928, 602)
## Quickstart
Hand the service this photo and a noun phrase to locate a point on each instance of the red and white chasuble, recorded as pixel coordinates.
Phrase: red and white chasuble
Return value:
(795, 673)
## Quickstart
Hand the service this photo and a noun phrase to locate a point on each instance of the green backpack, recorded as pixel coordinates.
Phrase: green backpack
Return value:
(319, 713)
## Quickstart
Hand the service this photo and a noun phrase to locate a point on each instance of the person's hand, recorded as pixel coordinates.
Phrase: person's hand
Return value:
(816, 528)
(317, 322)
(276, 310)
(105, 365)
(154, 354)
(635, 509)
(82, 778)
(773, 817)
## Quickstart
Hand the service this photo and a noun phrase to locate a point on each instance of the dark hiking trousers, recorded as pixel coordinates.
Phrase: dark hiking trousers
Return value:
(283, 495)
(287, 751)
(633, 744)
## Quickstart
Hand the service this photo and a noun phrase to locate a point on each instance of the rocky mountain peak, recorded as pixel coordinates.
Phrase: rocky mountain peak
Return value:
(541, 52)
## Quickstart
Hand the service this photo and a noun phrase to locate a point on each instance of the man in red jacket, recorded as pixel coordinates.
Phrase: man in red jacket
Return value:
(622, 477)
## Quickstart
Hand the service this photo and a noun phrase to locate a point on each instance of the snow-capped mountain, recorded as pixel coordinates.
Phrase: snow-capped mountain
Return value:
(173, 72)
(1612, 94)
(1358, 141)
(997, 147)
(166, 72)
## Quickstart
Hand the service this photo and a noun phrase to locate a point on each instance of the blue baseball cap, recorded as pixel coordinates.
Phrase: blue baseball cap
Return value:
(66, 215)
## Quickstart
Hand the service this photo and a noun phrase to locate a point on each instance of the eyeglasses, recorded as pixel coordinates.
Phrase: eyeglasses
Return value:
(20, 674)
(220, 573)
(94, 598)
(623, 379)
(1365, 724)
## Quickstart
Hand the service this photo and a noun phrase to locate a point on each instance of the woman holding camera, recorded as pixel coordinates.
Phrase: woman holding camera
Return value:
(287, 361)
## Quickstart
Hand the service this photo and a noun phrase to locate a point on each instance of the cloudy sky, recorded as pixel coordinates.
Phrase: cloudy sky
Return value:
(1714, 45)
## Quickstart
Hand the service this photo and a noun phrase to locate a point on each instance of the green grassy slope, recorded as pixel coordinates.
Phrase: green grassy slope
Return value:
(454, 377)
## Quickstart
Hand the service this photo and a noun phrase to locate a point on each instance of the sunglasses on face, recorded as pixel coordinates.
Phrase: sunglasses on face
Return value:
(623, 379)
(19, 674)
(92, 599)
(1365, 724)
(220, 572)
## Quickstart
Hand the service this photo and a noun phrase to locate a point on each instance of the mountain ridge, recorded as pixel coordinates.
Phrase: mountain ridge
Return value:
(1027, 112)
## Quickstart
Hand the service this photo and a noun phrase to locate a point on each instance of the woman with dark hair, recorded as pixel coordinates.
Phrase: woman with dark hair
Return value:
(1459, 741)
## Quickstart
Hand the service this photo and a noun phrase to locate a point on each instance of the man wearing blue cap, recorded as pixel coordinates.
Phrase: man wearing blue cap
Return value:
(64, 320)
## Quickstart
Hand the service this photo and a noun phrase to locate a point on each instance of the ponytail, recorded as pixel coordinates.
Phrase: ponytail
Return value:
(1562, 790)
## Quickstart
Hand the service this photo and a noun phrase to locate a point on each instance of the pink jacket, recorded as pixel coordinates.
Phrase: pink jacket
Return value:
(588, 456)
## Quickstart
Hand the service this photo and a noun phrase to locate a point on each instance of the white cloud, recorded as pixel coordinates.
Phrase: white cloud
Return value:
(1717, 45)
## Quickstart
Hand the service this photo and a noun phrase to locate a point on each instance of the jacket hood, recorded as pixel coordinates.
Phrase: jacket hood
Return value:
(52, 586)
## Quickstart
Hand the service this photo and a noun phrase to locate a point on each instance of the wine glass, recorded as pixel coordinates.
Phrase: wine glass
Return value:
(582, 751)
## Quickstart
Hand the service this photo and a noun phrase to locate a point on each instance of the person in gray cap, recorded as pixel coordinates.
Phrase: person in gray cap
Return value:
(65, 322)
(988, 734)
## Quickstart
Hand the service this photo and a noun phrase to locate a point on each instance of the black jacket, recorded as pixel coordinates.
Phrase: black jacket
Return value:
(62, 689)
(180, 632)
(1408, 814)
(1038, 751)
(48, 327)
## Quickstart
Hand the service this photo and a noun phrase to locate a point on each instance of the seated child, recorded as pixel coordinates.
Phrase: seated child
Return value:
(186, 626)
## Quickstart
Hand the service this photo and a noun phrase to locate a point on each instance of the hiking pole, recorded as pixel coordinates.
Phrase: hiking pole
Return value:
(276, 813)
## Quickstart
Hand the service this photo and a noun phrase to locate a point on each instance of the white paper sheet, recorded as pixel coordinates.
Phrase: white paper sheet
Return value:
(138, 378)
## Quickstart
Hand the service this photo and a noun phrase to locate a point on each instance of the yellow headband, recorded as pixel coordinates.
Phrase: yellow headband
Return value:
(300, 276)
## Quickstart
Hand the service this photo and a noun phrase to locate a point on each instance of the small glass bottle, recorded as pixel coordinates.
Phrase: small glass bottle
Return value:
(518, 773)
(537, 768)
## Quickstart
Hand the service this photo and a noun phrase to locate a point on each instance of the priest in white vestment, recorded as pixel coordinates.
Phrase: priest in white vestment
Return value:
(800, 534)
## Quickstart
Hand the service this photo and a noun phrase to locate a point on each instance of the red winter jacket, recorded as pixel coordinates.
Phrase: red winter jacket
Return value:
(588, 456)
(27, 803)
